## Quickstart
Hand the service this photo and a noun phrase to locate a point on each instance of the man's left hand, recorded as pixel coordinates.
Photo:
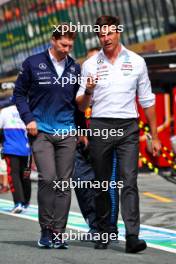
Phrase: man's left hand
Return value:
(156, 147)
(84, 140)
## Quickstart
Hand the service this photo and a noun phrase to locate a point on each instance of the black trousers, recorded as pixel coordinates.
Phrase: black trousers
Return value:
(54, 158)
(20, 186)
(86, 196)
(127, 152)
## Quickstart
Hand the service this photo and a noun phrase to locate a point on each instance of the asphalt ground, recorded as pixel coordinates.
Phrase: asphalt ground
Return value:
(18, 237)
(18, 246)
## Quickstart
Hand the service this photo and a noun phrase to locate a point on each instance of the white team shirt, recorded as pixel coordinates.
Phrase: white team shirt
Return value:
(115, 93)
(15, 141)
(10, 119)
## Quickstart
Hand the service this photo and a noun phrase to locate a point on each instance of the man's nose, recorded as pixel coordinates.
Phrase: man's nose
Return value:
(106, 37)
(67, 49)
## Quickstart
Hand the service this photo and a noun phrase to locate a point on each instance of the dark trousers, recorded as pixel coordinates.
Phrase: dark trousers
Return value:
(54, 158)
(86, 196)
(20, 186)
(126, 148)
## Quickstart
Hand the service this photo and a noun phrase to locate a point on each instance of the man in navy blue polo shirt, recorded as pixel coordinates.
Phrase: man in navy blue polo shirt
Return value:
(47, 107)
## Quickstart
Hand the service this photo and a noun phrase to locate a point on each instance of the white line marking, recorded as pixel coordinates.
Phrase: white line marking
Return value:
(86, 229)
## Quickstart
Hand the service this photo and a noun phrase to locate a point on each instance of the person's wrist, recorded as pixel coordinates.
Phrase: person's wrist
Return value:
(88, 92)
(154, 137)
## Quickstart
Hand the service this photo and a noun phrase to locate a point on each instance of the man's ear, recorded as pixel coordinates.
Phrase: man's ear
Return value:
(51, 41)
(118, 33)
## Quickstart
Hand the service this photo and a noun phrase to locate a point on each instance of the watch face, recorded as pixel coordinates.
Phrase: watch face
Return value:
(87, 92)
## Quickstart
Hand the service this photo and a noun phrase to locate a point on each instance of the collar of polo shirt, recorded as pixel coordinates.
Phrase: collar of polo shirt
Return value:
(58, 65)
(122, 51)
(54, 59)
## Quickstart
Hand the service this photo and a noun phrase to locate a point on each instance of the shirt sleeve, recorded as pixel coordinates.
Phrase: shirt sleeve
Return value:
(79, 116)
(20, 94)
(77, 84)
(1, 120)
(82, 86)
(144, 90)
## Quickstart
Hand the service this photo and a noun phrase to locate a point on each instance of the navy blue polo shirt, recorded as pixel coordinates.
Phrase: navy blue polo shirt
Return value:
(40, 95)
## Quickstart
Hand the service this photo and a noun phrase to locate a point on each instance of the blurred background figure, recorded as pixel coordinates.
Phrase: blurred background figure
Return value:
(85, 172)
(4, 187)
(3, 177)
(17, 154)
(92, 52)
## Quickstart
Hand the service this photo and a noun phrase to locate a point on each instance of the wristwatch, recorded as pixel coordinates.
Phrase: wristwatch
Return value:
(88, 92)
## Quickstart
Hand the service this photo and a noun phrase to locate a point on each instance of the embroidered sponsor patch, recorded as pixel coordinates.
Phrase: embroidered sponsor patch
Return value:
(103, 67)
(44, 82)
(41, 73)
(127, 68)
(44, 77)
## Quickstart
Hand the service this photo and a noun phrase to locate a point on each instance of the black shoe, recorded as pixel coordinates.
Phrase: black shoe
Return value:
(134, 244)
(58, 241)
(100, 244)
(103, 241)
(113, 233)
(89, 236)
(113, 237)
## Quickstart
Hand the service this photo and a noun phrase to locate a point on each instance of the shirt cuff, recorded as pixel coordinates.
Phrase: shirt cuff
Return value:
(145, 103)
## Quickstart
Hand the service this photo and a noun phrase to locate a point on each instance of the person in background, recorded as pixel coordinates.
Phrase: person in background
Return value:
(17, 154)
(4, 187)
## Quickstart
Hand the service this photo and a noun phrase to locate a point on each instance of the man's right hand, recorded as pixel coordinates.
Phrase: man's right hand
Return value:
(32, 128)
(91, 83)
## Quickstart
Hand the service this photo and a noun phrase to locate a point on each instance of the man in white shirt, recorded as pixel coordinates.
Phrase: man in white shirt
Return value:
(113, 78)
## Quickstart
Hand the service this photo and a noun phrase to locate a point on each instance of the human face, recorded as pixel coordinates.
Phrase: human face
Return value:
(62, 46)
(109, 39)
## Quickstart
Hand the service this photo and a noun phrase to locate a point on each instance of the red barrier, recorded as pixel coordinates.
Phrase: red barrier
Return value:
(174, 108)
(163, 125)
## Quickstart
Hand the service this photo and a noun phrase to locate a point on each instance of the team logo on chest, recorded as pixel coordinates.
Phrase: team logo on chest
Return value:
(100, 61)
(72, 69)
(42, 66)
